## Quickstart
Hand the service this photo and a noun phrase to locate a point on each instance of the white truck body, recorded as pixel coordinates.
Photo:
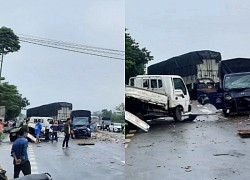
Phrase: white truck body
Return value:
(46, 122)
(149, 96)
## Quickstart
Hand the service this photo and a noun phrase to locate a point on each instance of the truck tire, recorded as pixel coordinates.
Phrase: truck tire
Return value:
(226, 114)
(76, 135)
(177, 114)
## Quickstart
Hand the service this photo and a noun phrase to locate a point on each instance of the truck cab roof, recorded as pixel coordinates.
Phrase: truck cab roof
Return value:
(154, 76)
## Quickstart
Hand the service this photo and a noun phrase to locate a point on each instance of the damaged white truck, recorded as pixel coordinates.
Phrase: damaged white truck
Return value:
(148, 97)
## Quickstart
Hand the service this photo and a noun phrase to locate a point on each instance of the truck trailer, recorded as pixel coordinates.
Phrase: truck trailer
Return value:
(199, 70)
(58, 111)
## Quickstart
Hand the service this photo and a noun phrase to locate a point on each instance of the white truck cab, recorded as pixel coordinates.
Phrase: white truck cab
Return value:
(169, 88)
(46, 122)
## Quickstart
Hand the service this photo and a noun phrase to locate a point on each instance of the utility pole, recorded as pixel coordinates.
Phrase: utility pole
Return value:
(1, 68)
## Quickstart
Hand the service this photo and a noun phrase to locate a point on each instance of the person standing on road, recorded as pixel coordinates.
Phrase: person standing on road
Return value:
(66, 133)
(55, 129)
(47, 127)
(1, 129)
(38, 128)
(20, 154)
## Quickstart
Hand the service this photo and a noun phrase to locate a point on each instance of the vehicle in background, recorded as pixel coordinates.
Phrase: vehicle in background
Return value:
(57, 111)
(95, 123)
(199, 70)
(151, 96)
(115, 127)
(81, 123)
(233, 95)
(105, 122)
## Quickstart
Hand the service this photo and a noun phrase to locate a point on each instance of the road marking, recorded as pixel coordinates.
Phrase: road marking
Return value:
(127, 140)
(32, 159)
(128, 137)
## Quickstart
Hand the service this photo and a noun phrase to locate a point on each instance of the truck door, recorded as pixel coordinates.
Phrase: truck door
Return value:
(181, 95)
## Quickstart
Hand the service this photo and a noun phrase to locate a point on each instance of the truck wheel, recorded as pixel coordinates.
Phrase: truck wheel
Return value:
(76, 135)
(177, 114)
(225, 112)
(12, 139)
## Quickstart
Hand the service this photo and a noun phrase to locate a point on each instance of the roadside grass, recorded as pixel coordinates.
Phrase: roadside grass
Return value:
(4, 135)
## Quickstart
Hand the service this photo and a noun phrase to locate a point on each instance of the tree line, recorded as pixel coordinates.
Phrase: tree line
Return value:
(116, 116)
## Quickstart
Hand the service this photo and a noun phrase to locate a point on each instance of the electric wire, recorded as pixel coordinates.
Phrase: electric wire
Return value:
(71, 50)
(62, 42)
(69, 46)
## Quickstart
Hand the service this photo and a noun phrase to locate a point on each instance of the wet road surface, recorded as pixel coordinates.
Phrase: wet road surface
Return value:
(104, 160)
(207, 148)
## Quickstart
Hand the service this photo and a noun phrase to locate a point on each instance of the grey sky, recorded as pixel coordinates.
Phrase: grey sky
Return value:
(170, 28)
(45, 75)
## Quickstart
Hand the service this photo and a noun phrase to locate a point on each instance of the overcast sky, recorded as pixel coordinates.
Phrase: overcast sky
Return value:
(46, 75)
(171, 28)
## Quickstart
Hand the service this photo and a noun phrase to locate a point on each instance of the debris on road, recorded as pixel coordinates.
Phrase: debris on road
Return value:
(244, 133)
(85, 143)
(146, 145)
(224, 154)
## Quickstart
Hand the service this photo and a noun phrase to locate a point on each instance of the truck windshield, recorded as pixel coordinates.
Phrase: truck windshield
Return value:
(237, 81)
(80, 121)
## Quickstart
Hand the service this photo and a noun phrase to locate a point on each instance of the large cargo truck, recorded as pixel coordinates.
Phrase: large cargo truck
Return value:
(81, 120)
(199, 70)
(58, 111)
(233, 95)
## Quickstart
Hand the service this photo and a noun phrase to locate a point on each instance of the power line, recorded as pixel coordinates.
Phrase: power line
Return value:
(68, 43)
(71, 50)
(73, 47)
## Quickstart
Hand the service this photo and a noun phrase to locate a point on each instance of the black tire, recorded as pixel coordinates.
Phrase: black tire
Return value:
(12, 139)
(226, 114)
(76, 135)
(177, 114)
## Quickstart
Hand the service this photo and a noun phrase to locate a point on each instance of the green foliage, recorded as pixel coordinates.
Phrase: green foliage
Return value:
(9, 42)
(117, 116)
(135, 58)
(106, 113)
(12, 100)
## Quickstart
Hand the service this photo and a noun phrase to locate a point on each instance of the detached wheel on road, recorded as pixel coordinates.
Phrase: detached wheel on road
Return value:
(177, 114)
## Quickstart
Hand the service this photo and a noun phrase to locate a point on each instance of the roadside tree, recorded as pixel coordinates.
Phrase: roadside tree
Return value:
(12, 100)
(9, 42)
(135, 58)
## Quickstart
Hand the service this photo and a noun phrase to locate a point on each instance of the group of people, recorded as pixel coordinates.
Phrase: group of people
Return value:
(19, 150)
(55, 129)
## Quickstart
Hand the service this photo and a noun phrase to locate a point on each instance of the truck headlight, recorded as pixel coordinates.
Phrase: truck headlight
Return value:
(228, 97)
